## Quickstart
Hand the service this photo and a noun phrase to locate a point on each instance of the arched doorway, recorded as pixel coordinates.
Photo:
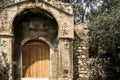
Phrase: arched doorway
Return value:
(35, 60)
(35, 24)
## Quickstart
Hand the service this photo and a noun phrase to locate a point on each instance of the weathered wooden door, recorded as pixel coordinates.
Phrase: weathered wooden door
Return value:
(36, 60)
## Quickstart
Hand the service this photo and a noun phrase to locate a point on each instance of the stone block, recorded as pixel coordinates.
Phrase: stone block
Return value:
(83, 56)
(83, 72)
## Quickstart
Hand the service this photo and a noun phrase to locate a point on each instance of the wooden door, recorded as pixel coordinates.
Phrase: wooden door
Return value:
(36, 60)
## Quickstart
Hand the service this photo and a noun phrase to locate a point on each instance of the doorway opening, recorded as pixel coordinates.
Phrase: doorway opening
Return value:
(35, 59)
(33, 28)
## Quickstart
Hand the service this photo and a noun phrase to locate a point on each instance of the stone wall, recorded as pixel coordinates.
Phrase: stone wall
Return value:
(86, 66)
(80, 54)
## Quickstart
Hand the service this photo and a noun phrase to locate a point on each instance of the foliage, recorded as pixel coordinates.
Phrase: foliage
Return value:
(109, 5)
(81, 9)
(4, 67)
(104, 33)
(105, 67)
(104, 30)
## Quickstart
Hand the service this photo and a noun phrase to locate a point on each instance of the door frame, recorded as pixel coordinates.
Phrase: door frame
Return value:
(51, 51)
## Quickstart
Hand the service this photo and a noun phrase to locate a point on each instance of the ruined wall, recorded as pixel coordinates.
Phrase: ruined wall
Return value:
(80, 54)
(90, 67)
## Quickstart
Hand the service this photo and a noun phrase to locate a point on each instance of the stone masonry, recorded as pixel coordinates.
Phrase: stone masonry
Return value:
(81, 68)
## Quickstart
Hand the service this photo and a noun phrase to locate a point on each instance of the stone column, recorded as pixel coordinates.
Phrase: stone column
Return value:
(6, 38)
(65, 50)
(6, 50)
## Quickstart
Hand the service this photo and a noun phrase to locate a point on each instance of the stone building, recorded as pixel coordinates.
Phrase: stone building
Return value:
(41, 37)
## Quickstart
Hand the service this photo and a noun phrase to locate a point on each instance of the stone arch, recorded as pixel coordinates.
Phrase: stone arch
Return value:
(65, 21)
(41, 39)
(33, 11)
(21, 10)
(35, 7)
(28, 25)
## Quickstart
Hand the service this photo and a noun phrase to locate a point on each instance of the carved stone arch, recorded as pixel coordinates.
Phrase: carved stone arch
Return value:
(21, 10)
(25, 29)
(41, 39)
(34, 10)
(26, 11)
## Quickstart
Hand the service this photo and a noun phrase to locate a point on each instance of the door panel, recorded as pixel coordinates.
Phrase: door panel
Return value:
(36, 60)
